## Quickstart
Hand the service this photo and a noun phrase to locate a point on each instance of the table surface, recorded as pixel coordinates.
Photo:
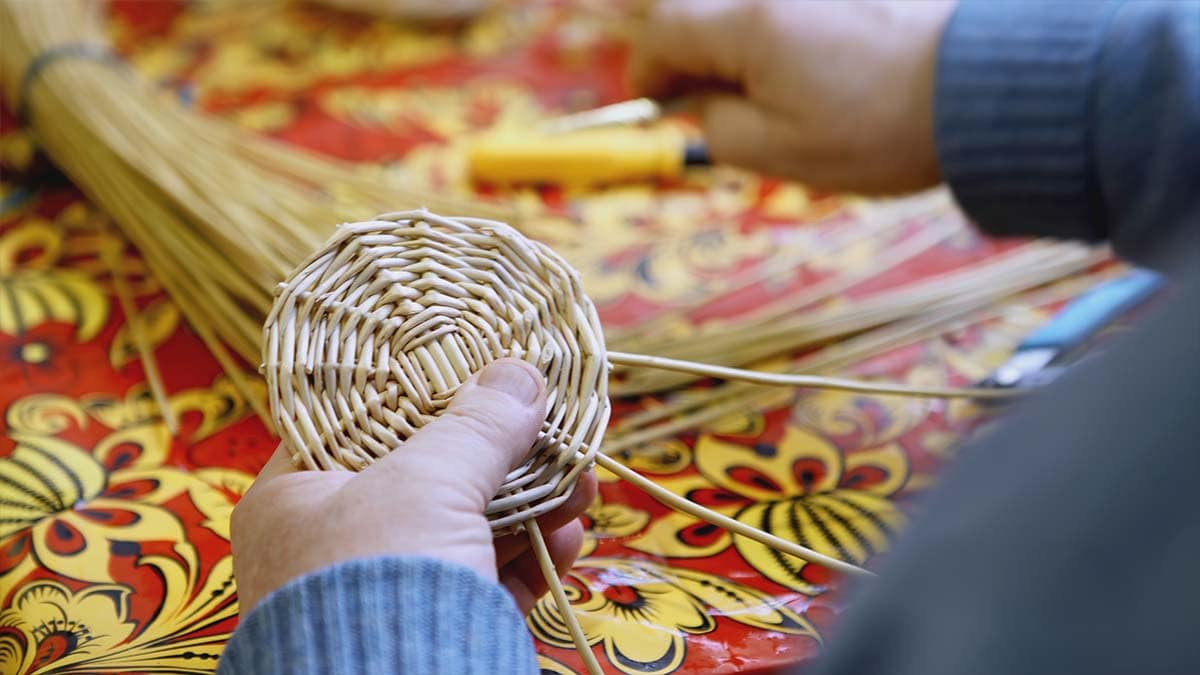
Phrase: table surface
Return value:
(116, 557)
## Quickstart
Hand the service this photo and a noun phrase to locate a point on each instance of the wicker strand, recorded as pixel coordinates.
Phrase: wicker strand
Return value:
(371, 337)
(538, 542)
(109, 255)
(735, 526)
(808, 381)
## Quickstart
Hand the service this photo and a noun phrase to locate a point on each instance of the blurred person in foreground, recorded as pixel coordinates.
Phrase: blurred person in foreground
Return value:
(1065, 541)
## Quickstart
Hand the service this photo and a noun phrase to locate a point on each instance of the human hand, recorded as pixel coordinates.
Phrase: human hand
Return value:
(426, 498)
(836, 94)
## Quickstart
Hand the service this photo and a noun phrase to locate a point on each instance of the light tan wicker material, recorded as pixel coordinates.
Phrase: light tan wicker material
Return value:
(370, 338)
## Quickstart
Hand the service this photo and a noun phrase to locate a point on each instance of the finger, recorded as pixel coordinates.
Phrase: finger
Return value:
(740, 133)
(488, 429)
(523, 576)
(686, 45)
(278, 465)
(510, 546)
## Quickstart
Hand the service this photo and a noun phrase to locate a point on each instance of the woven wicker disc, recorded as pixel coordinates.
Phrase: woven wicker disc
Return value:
(370, 338)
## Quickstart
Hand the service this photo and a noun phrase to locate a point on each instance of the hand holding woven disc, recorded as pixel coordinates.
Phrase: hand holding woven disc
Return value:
(370, 338)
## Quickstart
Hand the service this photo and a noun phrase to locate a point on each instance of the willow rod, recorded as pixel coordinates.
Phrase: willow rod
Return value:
(862, 346)
(689, 507)
(538, 542)
(769, 316)
(808, 381)
(133, 320)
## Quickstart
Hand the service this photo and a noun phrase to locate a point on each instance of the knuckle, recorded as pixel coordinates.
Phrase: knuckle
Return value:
(481, 424)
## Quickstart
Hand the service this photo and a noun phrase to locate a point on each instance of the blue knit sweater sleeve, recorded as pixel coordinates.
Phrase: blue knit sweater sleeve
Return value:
(1075, 120)
(380, 616)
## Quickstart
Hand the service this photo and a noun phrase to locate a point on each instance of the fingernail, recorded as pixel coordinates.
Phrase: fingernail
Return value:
(511, 379)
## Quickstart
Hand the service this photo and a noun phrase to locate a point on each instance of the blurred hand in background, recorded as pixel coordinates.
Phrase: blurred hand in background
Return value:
(836, 94)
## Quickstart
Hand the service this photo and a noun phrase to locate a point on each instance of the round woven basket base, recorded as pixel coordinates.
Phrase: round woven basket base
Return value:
(370, 338)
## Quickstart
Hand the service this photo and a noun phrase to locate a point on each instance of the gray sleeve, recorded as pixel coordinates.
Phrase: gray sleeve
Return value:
(380, 616)
(1075, 120)
(1064, 541)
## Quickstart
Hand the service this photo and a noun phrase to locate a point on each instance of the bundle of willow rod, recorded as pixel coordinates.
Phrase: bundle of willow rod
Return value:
(219, 214)
(371, 337)
(686, 413)
(781, 329)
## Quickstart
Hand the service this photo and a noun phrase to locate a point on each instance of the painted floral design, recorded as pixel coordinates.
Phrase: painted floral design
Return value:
(65, 506)
(52, 627)
(640, 612)
(91, 518)
(802, 489)
(610, 520)
(34, 290)
(48, 620)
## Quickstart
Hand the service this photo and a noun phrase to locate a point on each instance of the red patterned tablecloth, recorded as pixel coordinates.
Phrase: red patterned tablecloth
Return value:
(114, 553)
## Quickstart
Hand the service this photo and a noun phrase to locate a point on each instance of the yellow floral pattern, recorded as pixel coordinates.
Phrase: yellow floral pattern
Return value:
(33, 290)
(47, 617)
(48, 628)
(802, 489)
(640, 612)
(66, 505)
(87, 515)
(610, 520)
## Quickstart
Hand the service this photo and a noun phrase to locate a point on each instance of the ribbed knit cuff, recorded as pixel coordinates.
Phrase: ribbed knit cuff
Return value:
(1013, 115)
(380, 616)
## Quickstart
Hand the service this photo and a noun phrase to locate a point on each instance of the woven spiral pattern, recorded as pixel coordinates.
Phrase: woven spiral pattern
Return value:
(370, 338)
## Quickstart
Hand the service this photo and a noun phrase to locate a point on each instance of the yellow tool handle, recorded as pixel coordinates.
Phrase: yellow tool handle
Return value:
(578, 158)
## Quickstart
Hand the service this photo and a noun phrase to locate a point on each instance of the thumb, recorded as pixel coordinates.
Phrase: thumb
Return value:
(489, 428)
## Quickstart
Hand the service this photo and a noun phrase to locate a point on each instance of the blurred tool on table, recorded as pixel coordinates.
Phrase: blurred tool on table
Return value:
(603, 145)
(1043, 356)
